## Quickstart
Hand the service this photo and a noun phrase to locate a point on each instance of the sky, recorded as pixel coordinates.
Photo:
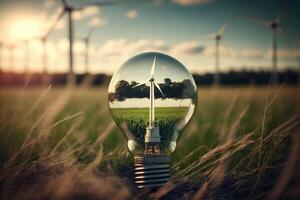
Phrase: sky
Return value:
(178, 28)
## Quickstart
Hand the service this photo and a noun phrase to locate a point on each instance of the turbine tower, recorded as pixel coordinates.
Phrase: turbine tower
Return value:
(275, 26)
(218, 37)
(152, 131)
(26, 56)
(44, 39)
(11, 49)
(45, 59)
(86, 41)
(1, 47)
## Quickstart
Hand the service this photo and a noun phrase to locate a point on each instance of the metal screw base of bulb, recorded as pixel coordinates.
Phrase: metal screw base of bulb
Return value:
(151, 171)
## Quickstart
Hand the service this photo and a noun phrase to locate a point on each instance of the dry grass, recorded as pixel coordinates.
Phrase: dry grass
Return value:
(62, 144)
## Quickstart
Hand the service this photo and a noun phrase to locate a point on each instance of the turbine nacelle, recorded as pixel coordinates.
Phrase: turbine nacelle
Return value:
(275, 24)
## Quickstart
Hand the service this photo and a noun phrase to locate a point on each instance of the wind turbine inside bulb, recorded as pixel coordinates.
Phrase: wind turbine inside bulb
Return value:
(152, 143)
(152, 131)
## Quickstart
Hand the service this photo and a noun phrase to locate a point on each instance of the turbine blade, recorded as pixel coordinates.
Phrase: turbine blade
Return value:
(264, 23)
(55, 22)
(211, 36)
(282, 12)
(90, 33)
(153, 67)
(102, 3)
(222, 29)
(142, 83)
(158, 87)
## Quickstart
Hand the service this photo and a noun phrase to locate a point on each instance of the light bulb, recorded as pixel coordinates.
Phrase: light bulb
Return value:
(152, 97)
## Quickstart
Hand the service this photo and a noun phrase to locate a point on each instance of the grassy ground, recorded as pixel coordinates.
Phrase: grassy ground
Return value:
(136, 119)
(240, 144)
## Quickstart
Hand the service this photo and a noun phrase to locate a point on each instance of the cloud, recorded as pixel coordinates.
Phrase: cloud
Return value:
(97, 22)
(121, 47)
(88, 11)
(114, 52)
(77, 15)
(132, 14)
(108, 56)
(260, 54)
(210, 51)
(49, 3)
(187, 48)
(191, 2)
(286, 53)
(250, 53)
(158, 2)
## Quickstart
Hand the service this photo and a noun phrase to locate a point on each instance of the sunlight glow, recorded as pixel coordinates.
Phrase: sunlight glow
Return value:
(25, 29)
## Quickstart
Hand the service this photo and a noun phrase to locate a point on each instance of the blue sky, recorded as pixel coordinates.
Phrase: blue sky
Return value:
(175, 27)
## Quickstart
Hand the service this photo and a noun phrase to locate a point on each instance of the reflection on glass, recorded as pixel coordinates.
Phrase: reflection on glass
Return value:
(152, 97)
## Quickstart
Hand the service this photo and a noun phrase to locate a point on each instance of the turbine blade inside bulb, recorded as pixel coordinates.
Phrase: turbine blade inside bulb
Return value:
(158, 87)
(153, 67)
(142, 83)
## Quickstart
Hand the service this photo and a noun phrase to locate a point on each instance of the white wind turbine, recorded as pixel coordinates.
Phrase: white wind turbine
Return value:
(1, 47)
(86, 41)
(152, 132)
(218, 36)
(26, 56)
(275, 26)
(11, 49)
(69, 10)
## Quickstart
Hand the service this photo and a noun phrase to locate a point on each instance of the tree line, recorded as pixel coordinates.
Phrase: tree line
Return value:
(243, 77)
(171, 89)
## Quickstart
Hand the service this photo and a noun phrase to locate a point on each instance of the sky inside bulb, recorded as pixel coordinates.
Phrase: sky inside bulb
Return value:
(175, 98)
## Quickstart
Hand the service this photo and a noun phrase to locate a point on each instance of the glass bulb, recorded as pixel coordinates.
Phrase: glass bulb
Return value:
(152, 97)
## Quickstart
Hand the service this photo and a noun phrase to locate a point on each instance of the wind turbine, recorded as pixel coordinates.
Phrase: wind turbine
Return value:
(218, 36)
(26, 56)
(44, 39)
(298, 71)
(152, 132)
(86, 41)
(68, 10)
(1, 47)
(11, 49)
(275, 26)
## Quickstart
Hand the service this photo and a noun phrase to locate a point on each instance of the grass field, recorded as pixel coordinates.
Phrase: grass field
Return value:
(144, 112)
(136, 120)
(236, 146)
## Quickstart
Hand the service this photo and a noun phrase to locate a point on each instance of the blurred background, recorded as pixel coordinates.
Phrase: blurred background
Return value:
(222, 42)
(242, 143)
